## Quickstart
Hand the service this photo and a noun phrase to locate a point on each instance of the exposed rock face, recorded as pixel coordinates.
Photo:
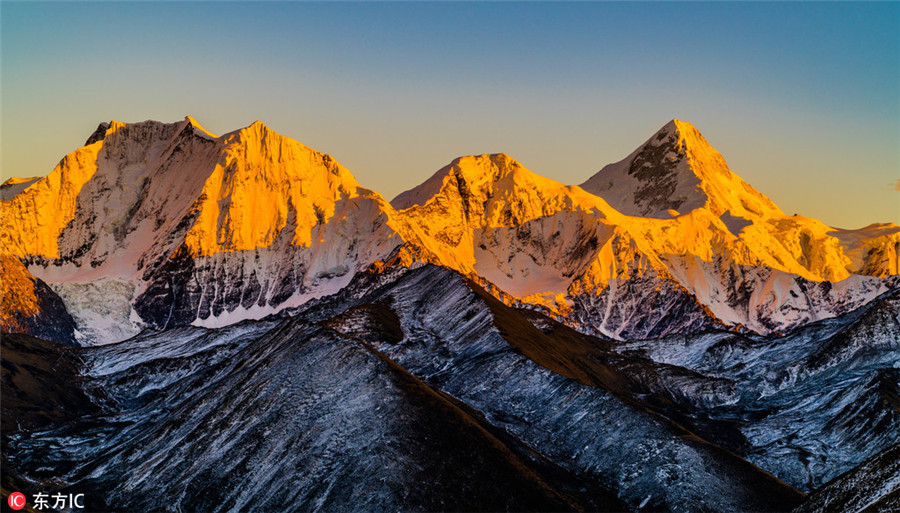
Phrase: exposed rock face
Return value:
(28, 305)
(873, 487)
(677, 169)
(160, 225)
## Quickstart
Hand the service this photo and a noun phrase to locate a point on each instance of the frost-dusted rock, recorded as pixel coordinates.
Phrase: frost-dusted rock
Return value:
(872, 486)
(810, 405)
(560, 397)
(283, 416)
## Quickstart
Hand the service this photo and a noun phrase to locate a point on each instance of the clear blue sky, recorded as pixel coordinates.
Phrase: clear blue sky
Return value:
(802, 99)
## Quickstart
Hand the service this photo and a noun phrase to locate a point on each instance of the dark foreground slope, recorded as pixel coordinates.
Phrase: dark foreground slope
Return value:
(572, 407)
(872, 487)
(414, 390)
(278, 416)
(28, 305)
(808, 406)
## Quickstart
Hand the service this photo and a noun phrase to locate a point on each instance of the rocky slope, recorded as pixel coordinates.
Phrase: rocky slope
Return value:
(196, 410)
(808, 406)
(381, 397)
(28, 305)
(872, 487)
(416, 389)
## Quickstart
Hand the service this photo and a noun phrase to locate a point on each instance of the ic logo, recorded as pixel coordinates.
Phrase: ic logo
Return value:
(16, 500)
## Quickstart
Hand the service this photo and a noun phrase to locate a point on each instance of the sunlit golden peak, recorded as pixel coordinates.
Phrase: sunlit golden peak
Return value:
(257, 127)
(487, 167)
(501, 157)
(682, 129)
(194, 123)
(496, 159)
(103, 129)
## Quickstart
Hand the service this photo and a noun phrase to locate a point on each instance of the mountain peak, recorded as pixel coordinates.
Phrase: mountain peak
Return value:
(475, 172)
(259, 126)
(679, 124)
(485, 158)
(98, 134)
(255, 130)
(198, 128)
(103, 129)
(682, 135)
(488, 167)
(677, 171)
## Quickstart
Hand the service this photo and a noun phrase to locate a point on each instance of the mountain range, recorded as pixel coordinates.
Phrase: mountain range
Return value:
(233, 322)
(154, 225)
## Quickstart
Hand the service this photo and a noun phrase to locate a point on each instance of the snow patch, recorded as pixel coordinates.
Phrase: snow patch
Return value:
(101, 309)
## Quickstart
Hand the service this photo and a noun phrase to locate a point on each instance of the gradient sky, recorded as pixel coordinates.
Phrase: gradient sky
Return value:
(802, 99)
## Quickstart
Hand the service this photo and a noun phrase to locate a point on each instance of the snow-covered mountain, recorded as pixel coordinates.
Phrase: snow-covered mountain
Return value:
(550, 245)
(730, 257)
(677, 171)
(160, 225)
(267, 333)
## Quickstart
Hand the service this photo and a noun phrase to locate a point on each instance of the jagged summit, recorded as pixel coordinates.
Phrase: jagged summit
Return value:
(98, 134)
(105, 128)
(257, 129)
(467, 171)
(674, 172)
(675, 125)
(198, 127)
(158, 211)
(489, 178)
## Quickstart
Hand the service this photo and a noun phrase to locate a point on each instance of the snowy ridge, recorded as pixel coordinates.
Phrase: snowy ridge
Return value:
(813, 404)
